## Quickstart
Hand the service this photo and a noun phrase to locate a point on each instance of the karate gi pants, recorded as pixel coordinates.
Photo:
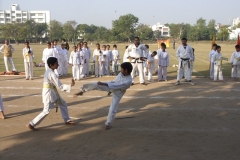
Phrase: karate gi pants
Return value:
(1, 104)
(191, 67)
(106, 68)
(184, 68)
(114, 66)
(46, 110)
(65, 67)
(10, 60)
(76, 69)
(138, 66)
(116, 97)
(236, 71)
(162, 73)
(211, 70)
(60, 67)
(86, 68)
(217, 73)
(28, 69)
(97, 68)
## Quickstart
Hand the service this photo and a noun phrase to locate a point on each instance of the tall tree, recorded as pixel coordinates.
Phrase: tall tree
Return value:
(125, 26)
(223, 34)
(55, 30)
(211, 28)
(144, 31)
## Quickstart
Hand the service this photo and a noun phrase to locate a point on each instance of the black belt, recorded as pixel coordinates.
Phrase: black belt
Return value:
(185, 59)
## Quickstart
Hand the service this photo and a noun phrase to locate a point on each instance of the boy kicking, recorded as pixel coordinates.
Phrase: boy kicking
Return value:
(118, 87)
(51, 96)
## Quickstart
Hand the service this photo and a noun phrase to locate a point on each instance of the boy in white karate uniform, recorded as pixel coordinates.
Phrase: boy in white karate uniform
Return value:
(235, 61)
(64, 53)
(51, 96)
(110, 58)
(87, 53)
(2, 116)
(48, 52)
(56, 49)
(150, 66)
(217, 57)
(125, 56)
(28, 61)
(96, 56)
(115, 59)
(163, 63)
(185, 55)
(118, 87)
(75, 61)
(211, 65)
(102, 59)
(106, 61)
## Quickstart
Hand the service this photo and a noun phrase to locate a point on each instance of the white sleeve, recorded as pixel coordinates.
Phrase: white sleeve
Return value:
(1, 48)
(57, 83)
(43, 56)
(70, 59)
(232, 58)
(178, 53)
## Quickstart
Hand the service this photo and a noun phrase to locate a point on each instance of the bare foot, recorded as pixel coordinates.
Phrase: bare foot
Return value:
(2, 116)
(31, 127)
(107, 127)
(78, 94)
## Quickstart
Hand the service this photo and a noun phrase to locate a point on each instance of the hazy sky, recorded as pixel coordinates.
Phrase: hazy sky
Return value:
(102, 12)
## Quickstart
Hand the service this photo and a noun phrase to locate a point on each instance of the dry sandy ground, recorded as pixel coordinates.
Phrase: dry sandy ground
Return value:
(170, 122)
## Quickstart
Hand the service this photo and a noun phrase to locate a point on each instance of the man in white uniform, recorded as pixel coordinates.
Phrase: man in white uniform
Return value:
(235, 60)
(185, 55)
(7, 50)
(28, 61)
(47, 52)
(135, 54)
(64, 53)
(87, 53)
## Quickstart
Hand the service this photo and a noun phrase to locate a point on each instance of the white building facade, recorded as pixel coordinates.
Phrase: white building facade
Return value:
(15, 15)
(165, 31)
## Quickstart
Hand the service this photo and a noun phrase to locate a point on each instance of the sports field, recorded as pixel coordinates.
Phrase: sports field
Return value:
(157, 121)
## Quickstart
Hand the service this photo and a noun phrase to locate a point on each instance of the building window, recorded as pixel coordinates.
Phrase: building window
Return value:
(40, 19)
(13, 16)
(18, 15)
(32, 14)
(24, 14)
(1, 19)
(19, 20)
(7, 15)
(24, 19)
(13, 11)
(1, 14)
(40, 14)
(8, 20)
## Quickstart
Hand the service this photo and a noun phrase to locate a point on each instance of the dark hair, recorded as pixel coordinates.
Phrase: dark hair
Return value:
(98, 44)
(104, 46)
(137, 38)
(184, 39)
(128, 66)
(114, 46)
(55, 40)
(154, 52)
(126, 47)
(214, 45)
(51, 61)
(26, 42)
(218, 47)
(237, 46)
(108, 45)
(49, 43)
(147, 46)
(163, 44)
(64, 40)
(84, 42)
(193, 50)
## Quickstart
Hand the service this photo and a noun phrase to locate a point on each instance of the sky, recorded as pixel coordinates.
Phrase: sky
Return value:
(103, 12)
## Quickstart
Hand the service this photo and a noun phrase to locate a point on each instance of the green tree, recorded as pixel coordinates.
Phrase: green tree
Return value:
(125, 27)
(39, 30)
(144, 32)
(55, 30)
(211, 28)
(223, 34)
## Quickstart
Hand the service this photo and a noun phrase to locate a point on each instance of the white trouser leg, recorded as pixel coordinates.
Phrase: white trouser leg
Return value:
(74, 71)
(46, 66)
(114, 66)
(101, 67)
(180, 71)
(97, 68)
(1, 104)
(6, 63)
(78, 72)
(220, 75)
(116, 97)
(64, 110)
(149, 74)
(46, 109)
(10, 59)
(238, 71)
(106, 68)
(234, 71)
(134, 65)
(160, 69)
(140, 69)
(87, 68)
(26, 66)
(217, 73)
(191, 68)
(81, 71)
(164, 72)
(211, 70)
(31, 69)
(94, 86)
(145, 70)
(187, 71)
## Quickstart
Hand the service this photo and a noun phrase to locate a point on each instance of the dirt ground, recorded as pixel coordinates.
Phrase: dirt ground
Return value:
(168, 122)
